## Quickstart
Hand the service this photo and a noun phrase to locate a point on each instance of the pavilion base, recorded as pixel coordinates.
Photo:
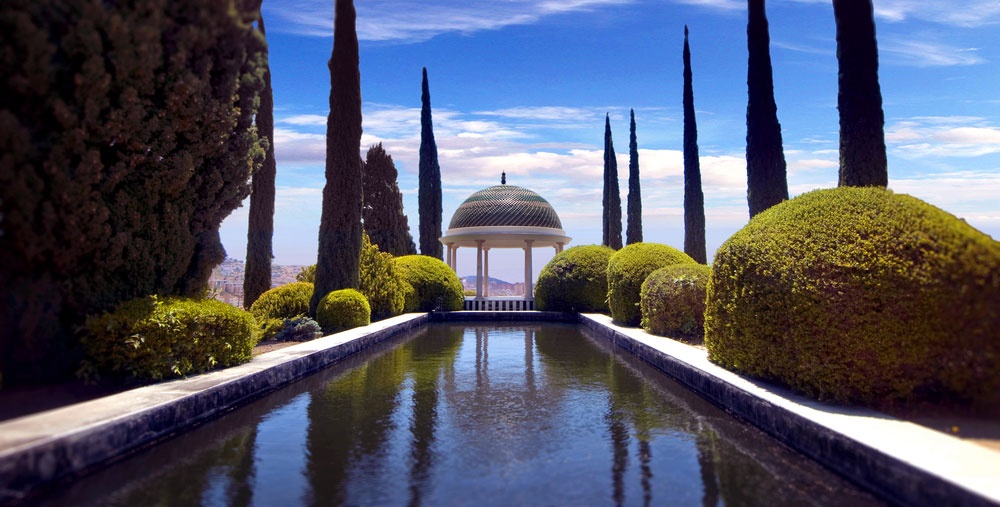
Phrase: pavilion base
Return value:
(499, 305)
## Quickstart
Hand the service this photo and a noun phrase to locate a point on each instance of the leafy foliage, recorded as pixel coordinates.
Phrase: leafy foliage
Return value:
(379, 281)
(694, 198)
(860, 295)
(628, 268)
(612, 196)
(283, 302)
(633, 230)
(575, 280)
(430, 285)
(126, 136)
(299, 329)
(672, 301)
(429, 176)
(383, 216)
(308, 274)
(343, 309)
(150, 338)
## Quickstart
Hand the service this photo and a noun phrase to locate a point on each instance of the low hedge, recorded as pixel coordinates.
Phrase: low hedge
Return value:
(672, 301)
(283, 302)
(575, 280)
(154, 338)
(860, 295)
(379, 282)
(628, 268)
(430, 285)
(343, 309)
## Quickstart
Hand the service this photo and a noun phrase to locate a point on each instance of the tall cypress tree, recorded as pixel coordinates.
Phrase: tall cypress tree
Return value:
(612, 194)
(694, 200)
(260, 231)
(340, 223)
(859, 97)
(767, 182)
(429, 192)
(633, 234)
(382, 214)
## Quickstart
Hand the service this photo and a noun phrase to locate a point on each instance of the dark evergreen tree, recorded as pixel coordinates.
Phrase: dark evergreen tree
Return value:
(260, 232)
(859, 97)
(694, 200)
(340, 223)
(429, 192)
(382, 214)
(767, 182)
(126, 137)
(612, 195)
(633, 233)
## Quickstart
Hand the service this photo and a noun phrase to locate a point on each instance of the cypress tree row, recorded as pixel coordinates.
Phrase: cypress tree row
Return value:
(633, 233)
(340, 223)
(382, 213)
(612, 194)
(767, 182)
(859, 97)
(126, 136)
(260, 232)
(429, 174)
(694, 200)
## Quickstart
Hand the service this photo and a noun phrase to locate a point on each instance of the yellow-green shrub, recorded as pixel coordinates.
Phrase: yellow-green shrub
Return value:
(628, 268)
(575, 280)
(430, 284)
(379, 282)
(343, 309)
(860, 295)
(152, 338)
(672, 301)
(283, 302)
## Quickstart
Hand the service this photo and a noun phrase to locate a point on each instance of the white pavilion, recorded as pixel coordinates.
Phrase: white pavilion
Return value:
(502, 216)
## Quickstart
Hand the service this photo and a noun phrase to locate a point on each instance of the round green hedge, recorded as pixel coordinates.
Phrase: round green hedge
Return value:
(575, 280)
(672, 301)
(343, 309)
(379, 282)
(628, 268)
(430, 284)
(283, 302)
(860, 295)
(152, 338)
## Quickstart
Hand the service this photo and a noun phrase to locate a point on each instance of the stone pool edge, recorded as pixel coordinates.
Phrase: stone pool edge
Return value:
(898, 460)
(869, 448)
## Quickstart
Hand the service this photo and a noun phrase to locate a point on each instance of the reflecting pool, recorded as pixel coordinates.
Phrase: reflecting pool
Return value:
(472, 414)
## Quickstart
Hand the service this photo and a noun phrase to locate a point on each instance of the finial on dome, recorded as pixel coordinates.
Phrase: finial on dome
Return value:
(503, 178)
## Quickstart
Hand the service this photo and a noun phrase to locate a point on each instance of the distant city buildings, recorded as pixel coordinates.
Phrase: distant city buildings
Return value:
(226, 282)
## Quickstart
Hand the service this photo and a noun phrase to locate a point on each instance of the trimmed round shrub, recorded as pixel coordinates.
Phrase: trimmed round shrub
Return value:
(575, 280)
(672, 301)
(152, 338)
(860, 295)
(628, 268)
(430, 284)
(283, 302)
(343, 309)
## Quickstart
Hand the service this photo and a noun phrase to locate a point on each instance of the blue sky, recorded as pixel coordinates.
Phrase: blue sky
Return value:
(523, 86)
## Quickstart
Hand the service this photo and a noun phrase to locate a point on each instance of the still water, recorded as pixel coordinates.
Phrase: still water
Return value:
(457, 414)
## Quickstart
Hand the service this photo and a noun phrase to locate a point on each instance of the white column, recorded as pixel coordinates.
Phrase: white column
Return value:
(559, 248)
(479, 269)
(528, 290)
(486, 272)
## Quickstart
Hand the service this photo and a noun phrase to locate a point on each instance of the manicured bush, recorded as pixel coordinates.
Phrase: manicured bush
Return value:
(575, 280)
(430, 284)
(308, 274)
(343, 309)
(379, 281)
(283, 302)
(860, 295)
(672, 301)
(299, 329)
(628, 268)
(152, 338)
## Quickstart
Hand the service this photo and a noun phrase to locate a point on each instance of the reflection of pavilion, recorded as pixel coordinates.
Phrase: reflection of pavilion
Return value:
(502, 216)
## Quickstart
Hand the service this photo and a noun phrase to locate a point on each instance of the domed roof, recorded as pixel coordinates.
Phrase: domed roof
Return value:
(505, 205)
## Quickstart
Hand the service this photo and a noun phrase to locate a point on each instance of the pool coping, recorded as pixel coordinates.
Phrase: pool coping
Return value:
(43, 450)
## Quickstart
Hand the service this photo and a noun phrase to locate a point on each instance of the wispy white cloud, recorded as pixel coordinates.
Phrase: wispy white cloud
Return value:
(957, 136)
(415, 21)
(962, 13)
(919, 52)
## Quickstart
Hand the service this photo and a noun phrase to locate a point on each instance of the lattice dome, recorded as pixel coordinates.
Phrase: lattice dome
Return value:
(505, 205)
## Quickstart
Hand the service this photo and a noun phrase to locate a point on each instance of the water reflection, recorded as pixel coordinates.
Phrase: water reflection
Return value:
(456, 415)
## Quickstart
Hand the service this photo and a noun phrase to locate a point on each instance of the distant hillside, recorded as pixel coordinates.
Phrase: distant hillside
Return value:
(497, 287)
